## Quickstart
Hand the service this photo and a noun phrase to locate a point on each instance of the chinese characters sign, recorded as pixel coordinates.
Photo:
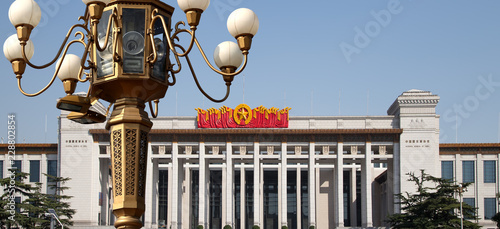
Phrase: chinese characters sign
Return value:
(243, 117)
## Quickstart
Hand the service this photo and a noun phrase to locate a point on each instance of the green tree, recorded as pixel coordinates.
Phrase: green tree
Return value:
(14, 186)
(30, 213)
(432, 207)
(496, 217)
(58, 201)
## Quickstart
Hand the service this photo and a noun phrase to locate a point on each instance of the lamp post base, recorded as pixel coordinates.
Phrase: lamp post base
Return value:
(128, 222)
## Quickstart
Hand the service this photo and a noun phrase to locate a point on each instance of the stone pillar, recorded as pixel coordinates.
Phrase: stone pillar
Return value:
(229, 196)
(312, 185)
(104, 177)
(171, 192)
(203, 186)
(150, 216)
(175, 190)
(298, 191)
(396, 173)
(284, 174)
(186, 198)
(242, 196)
(256, 186)
(339, 186)
(366, 187)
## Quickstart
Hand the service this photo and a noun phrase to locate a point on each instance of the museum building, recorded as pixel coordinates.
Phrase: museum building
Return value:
(243, 167)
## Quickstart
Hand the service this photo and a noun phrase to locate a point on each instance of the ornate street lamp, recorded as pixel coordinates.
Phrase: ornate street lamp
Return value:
(127, 49)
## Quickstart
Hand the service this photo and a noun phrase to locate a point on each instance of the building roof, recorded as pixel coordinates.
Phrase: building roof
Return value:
(29, 148)
(469, 148)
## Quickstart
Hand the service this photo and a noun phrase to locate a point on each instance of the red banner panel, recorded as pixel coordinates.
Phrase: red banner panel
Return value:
(243, 117)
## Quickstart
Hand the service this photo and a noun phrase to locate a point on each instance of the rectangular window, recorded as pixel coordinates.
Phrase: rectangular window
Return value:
(34, 171)
(162, 197)
(447, 170)
(305, 198)
(215, 199)
(18, 167)
(195, 190)
(291, 197)
(471, 202)
(1, 169)
(489, 208)
(51, 169)
(237, 198)
(468, 173)
(270, 197)
(489, 172)
(17, 200)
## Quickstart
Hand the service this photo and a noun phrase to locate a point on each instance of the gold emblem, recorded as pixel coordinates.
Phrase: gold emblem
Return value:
(242, 112)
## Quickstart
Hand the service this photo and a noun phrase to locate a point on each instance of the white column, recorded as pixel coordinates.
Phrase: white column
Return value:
(479, 182)
(202, 203)
(104, 177)
(229, 185)
(43, 169)
(366, 187)
(256, 186)
(154, 189)
(186, 198)
(279, 195)
(149, 213)
(284, 173)
(223, 194)
(339, 186)
(312, 185)
(242, 196)
(298, 181)
(396, 162)
(174, 207)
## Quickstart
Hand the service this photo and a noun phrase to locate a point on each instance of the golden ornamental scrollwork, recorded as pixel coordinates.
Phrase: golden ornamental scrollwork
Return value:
(117, 162)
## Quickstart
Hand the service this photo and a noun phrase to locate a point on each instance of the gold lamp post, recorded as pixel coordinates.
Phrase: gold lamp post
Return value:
(128, 45)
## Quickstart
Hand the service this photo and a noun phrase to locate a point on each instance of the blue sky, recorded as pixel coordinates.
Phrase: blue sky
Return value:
(304, 56)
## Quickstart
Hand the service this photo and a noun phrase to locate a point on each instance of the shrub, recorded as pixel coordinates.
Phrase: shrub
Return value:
(284, 227)
(200, 227)
(311, 227)
(227, 227)
(255, 227)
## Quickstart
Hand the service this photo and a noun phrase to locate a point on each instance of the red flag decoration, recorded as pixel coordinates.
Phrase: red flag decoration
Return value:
(243, 117)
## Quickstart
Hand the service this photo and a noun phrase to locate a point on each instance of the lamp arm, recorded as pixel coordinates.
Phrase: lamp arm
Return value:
(82, 63)
(245, 54)
(85, 17)
(191, 32)
(113, 19)
(154, 112)
(228, 84)
(171, 44)
(53, 77)
(178, 62)
(174, 80)
(60, 49)
(154, 56)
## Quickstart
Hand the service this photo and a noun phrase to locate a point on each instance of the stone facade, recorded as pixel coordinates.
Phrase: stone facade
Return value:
(323, 171)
